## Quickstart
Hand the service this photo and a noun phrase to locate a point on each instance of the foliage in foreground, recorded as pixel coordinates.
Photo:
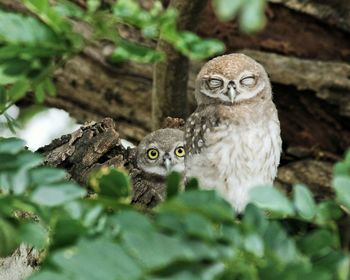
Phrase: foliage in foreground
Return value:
(192, 235)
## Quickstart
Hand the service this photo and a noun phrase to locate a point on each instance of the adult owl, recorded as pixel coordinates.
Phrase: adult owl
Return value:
(157, 154)
(232, 140)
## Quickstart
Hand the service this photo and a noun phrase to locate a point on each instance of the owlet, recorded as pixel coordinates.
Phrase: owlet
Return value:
(233, 138)
(157, 154)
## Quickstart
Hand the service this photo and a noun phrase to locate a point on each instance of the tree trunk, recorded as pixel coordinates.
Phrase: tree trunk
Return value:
(169, 96)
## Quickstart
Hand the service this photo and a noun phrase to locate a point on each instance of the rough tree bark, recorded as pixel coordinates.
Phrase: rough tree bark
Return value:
(169, 96)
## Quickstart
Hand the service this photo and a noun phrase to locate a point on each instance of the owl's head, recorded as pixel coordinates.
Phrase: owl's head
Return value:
(162, 151)
(230, 79)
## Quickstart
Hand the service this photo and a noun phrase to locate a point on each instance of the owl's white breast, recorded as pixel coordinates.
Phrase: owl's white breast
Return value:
(236, 159)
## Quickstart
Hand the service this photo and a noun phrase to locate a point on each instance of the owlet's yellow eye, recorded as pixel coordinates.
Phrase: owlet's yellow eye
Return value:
(180, 151)
(152, 153)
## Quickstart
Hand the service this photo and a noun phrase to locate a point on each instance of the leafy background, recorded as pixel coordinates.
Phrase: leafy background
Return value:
(192, 235)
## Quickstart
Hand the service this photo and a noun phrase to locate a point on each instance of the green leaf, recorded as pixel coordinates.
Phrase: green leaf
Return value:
(270, 198)
(39, 93)
(254, 244)
(48, 15)
(192, 184)
(198, 226)
(327, 212)
(50, 87)
(57, 194)
(96, 259)
(197, 202)
(173, 182)
(343, 167)
(113, 183)
(68, 9)
(337, 263)
(45, 274)
(47, 175)
(279, 244)
(33, 234)
(25, 29)
(18, 90)
(318, 242)
(3, 98)
(93, 5)
(11, 145)
(130, 51)
(227, 9)
(8, 238)
(304, 202)
(341, 185)
(66, 232)
(156, 250)
(252, 17)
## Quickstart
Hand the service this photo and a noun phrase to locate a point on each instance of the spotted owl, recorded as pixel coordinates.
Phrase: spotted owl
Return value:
(232, 140)
(157, 154)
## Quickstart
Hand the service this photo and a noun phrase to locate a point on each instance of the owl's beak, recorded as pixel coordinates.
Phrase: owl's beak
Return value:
(231, 93)
(167, 162)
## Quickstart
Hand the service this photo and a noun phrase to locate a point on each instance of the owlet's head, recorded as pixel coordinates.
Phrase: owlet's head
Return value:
(231, 79)
(162, 151)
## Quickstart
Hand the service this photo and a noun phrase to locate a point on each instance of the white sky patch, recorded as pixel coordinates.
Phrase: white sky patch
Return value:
(43, 127)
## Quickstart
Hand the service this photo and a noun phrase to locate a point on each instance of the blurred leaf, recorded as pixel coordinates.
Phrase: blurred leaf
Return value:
(336, 262)
(93, 5)
(33, 234)
(48, 14)
(50, 87)
(327, 211)
(26, 114)
(66, 232)
(317, 242)
(341, 185)
(3, 97)
(68, 9)
(44, 274)
(254, 245)
(11, 145)
(192, 184)
(57, 194)
(173, 182)
(198, 226)
(8, 238)
(112, 183)
(343, 167)
(130, 51)
(271, 199)
(47, 175)
(252, 17)
(195, 47)
(227, 9)
(82, 260)
(280, 244)
(197, 202)
(18, 90)
(25, 29)
(39, 93)
(304, 202)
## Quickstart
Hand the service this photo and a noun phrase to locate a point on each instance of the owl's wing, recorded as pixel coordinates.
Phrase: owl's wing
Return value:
(202, 121)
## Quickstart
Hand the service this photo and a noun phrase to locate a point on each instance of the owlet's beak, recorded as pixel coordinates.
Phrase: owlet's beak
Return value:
(231, 92)
(167, 162)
